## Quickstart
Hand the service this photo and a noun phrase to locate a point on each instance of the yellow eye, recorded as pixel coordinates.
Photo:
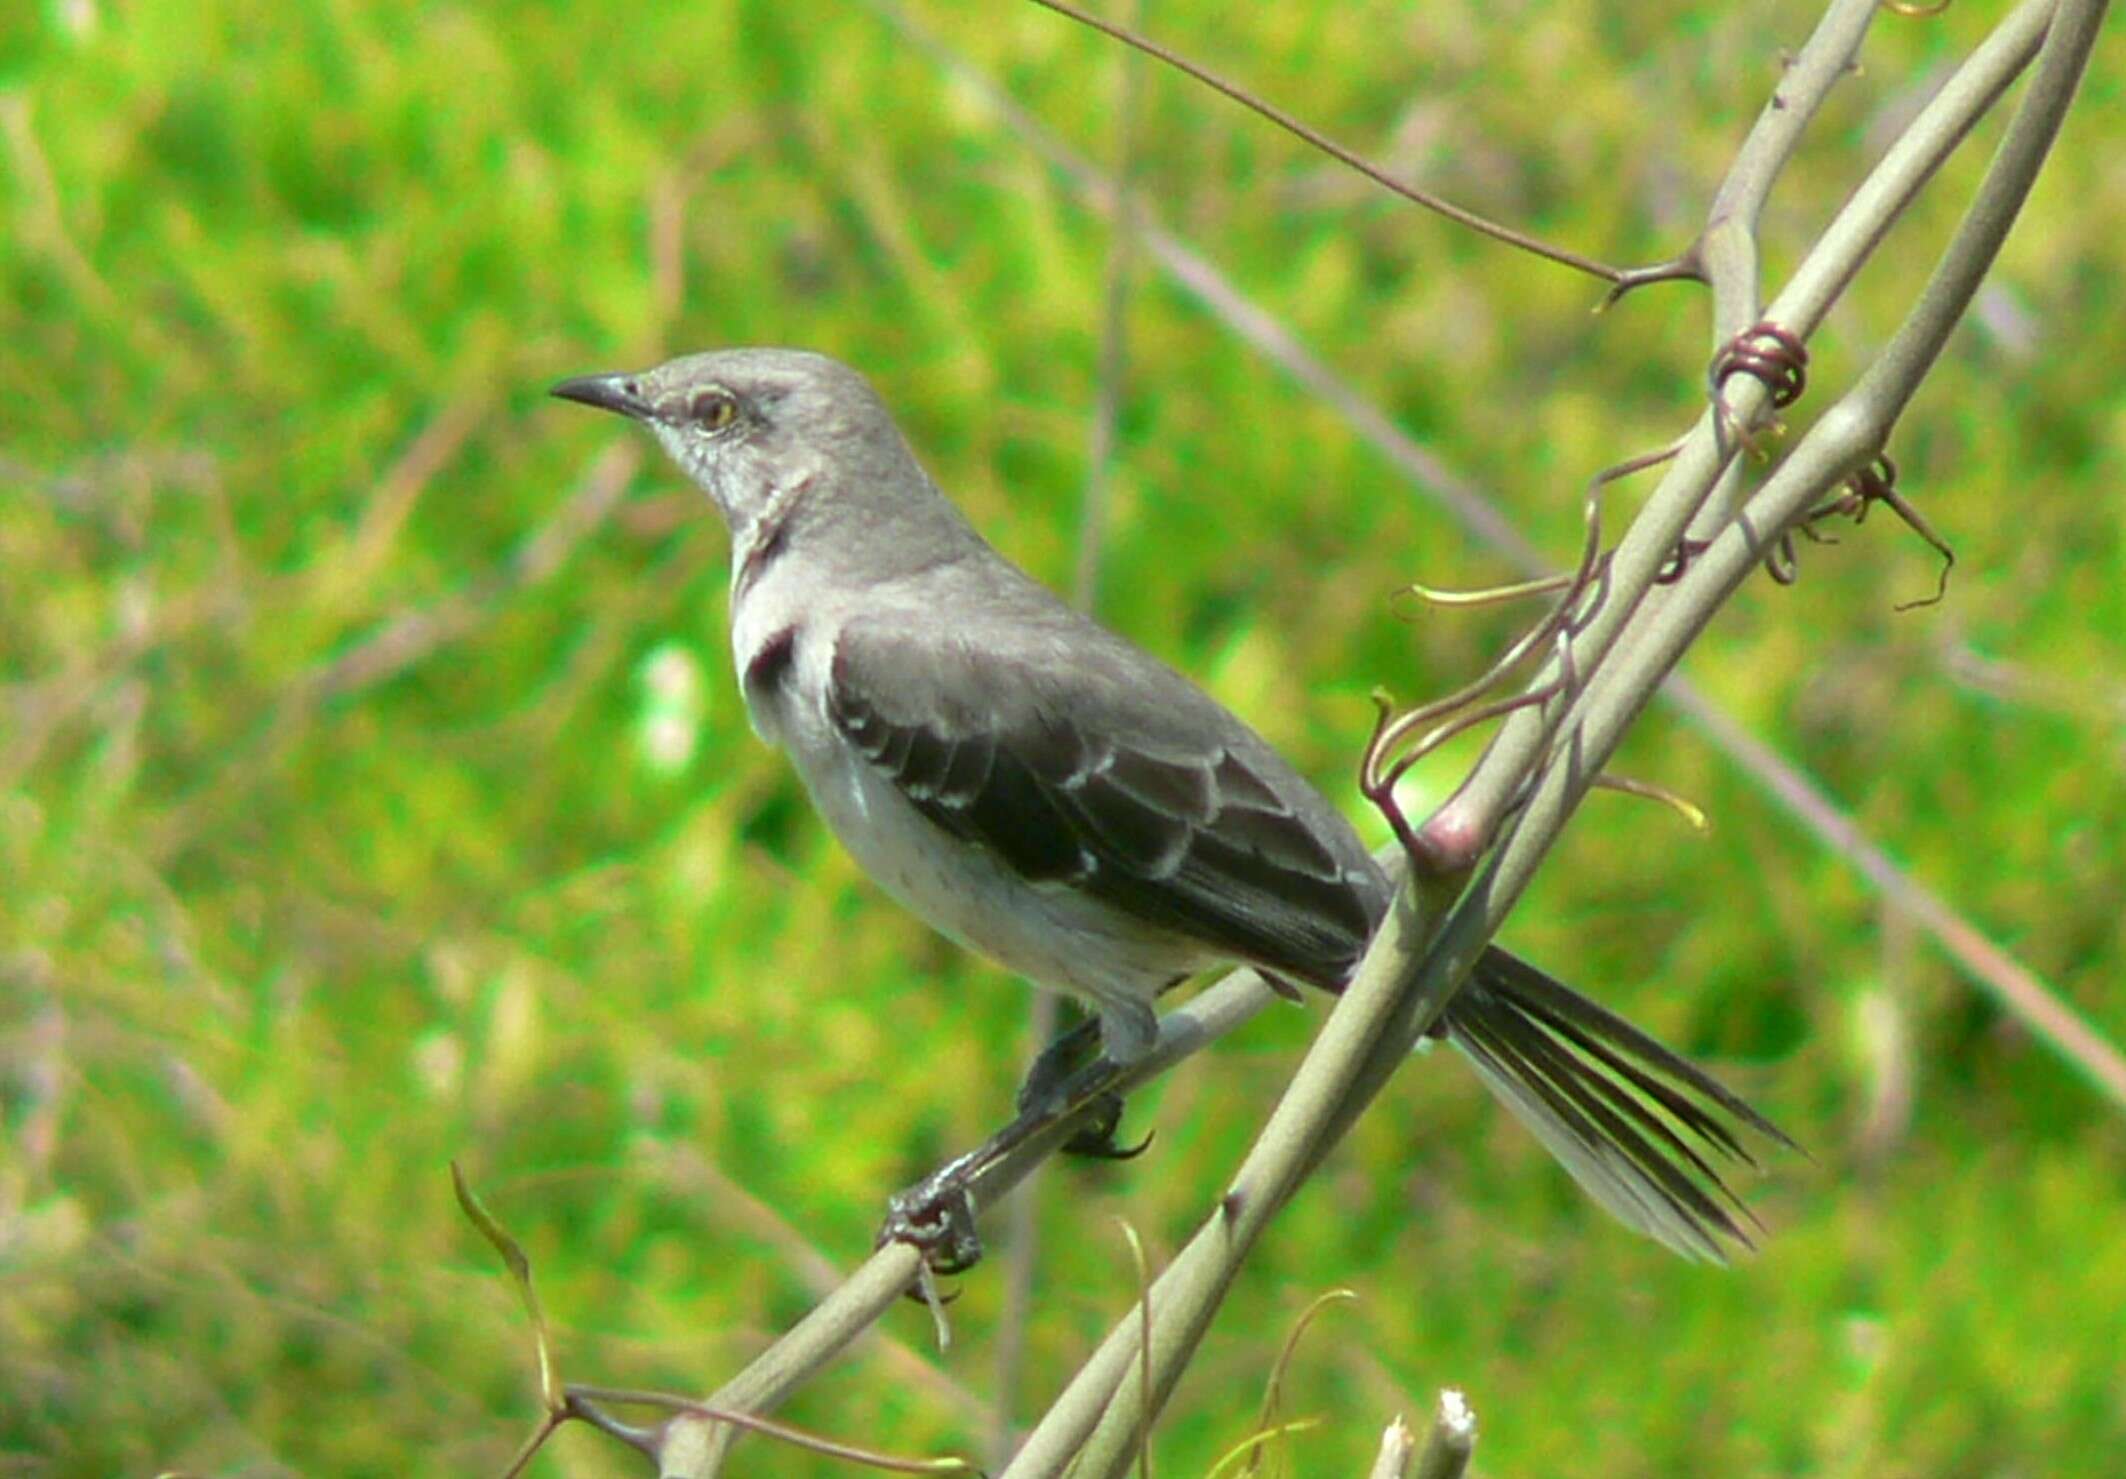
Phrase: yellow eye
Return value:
(713, 410)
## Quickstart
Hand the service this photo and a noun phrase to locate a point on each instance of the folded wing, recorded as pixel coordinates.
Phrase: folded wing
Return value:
(1111, 775)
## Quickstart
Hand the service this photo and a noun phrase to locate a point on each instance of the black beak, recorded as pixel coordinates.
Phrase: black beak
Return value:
(621, 393)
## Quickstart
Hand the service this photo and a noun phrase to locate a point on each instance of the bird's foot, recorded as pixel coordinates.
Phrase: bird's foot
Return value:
(936, 1218)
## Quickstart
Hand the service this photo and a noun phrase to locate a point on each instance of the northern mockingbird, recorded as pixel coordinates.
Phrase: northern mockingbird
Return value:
(1059, 800)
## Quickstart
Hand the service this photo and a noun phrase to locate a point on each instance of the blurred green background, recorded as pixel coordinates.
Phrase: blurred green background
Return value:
(374, 790)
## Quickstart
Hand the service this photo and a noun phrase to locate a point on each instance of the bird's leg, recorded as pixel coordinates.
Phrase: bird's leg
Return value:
(1050, 1076)
(936, 1214)
(1067, 1052)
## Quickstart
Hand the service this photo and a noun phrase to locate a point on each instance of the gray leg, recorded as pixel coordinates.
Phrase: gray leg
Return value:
(1127, 1030)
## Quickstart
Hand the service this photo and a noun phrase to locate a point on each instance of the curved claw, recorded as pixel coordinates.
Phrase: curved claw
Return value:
(932, 1298)
(1129, 1152)
(1096, 1141)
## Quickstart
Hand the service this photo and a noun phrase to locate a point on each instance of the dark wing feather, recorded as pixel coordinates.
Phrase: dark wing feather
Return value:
(1111, 773)
(973, 785)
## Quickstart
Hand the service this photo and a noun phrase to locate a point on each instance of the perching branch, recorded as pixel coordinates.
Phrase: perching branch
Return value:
(877, 1286)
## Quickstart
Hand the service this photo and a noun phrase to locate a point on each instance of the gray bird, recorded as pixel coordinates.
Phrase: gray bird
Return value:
(1055, 798)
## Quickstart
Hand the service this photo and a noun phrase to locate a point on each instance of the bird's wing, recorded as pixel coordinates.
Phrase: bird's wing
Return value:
(1081, 762)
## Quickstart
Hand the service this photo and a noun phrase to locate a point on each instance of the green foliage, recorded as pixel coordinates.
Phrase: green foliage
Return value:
(362, 808)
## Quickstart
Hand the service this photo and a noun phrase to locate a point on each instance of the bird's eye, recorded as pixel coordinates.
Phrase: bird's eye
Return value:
(712, 410)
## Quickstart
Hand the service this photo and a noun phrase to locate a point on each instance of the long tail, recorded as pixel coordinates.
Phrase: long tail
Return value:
(1624, 1115)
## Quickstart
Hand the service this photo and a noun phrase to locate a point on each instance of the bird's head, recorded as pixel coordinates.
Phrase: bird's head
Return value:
(754, 426)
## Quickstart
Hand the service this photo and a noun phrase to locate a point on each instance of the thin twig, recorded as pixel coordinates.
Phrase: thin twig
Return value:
(581, 1396)
(1273, 1389)
(1727, 247)
(687, 1172)
(1563, 256)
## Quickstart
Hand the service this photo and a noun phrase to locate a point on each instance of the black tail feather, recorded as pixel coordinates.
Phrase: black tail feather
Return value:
(1608, 1101)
